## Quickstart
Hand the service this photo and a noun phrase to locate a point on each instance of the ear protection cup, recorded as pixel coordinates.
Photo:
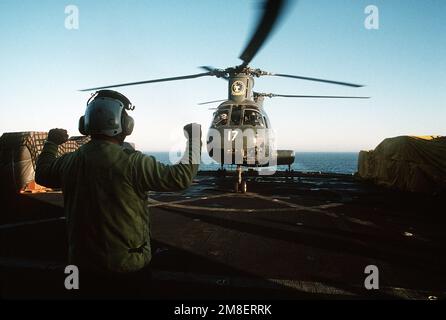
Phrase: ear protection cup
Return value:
(127, 124)
(82, 129)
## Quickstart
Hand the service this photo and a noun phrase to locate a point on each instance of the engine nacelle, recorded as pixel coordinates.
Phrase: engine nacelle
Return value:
(285, 157)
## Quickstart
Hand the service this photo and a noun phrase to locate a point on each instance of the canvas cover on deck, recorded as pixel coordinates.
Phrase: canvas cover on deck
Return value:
(408, 163)
(18, 156)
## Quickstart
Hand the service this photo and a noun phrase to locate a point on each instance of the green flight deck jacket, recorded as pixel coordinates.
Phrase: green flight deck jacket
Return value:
(105, 190)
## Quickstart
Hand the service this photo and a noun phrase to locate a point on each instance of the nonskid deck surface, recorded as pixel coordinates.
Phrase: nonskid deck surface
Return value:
(309, 236)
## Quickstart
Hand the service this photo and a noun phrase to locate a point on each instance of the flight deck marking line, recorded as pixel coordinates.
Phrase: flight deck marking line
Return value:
(179, 206)
(242, 282)
(156, 203)
(297, 206)
(291, 206)
(27, 223)
(329, 205)
(272, 283)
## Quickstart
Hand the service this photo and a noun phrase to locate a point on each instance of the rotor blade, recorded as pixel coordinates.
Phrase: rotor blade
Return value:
(192, 76)
(271, 12)
(209, 102)
(272, 95)
(216, 71)
(208, 68)
(316, 79)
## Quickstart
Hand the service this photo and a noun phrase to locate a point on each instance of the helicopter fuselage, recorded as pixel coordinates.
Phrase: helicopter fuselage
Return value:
(241, 134)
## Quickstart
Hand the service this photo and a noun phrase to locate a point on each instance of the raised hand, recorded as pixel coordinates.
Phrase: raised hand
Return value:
(57, 136)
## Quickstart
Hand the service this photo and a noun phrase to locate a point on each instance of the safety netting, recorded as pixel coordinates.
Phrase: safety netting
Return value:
(18, 156)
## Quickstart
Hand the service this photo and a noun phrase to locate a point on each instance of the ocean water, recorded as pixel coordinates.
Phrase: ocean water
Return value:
(332, 162)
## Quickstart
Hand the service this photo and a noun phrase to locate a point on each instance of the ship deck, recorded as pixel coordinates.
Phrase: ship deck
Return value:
(302, 236)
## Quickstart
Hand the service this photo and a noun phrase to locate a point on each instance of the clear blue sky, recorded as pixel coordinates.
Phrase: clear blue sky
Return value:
(403, 65)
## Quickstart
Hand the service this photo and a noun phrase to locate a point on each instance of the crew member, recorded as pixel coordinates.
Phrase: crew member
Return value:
(105, 188)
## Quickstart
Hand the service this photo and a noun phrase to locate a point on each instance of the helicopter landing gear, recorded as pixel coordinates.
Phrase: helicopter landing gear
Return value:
(240, 184)
(241, 187)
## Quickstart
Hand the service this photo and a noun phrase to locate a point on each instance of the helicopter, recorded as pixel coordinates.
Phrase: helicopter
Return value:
(240, 133)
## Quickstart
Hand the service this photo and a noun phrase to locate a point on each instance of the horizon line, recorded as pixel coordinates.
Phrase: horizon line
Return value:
(161, 151)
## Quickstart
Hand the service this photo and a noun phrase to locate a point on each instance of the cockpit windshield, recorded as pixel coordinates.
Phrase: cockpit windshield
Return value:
(221, 118)
(253, 118)
(236, 115)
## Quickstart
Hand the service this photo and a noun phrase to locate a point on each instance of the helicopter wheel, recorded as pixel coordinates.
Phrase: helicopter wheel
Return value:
(243, 187)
